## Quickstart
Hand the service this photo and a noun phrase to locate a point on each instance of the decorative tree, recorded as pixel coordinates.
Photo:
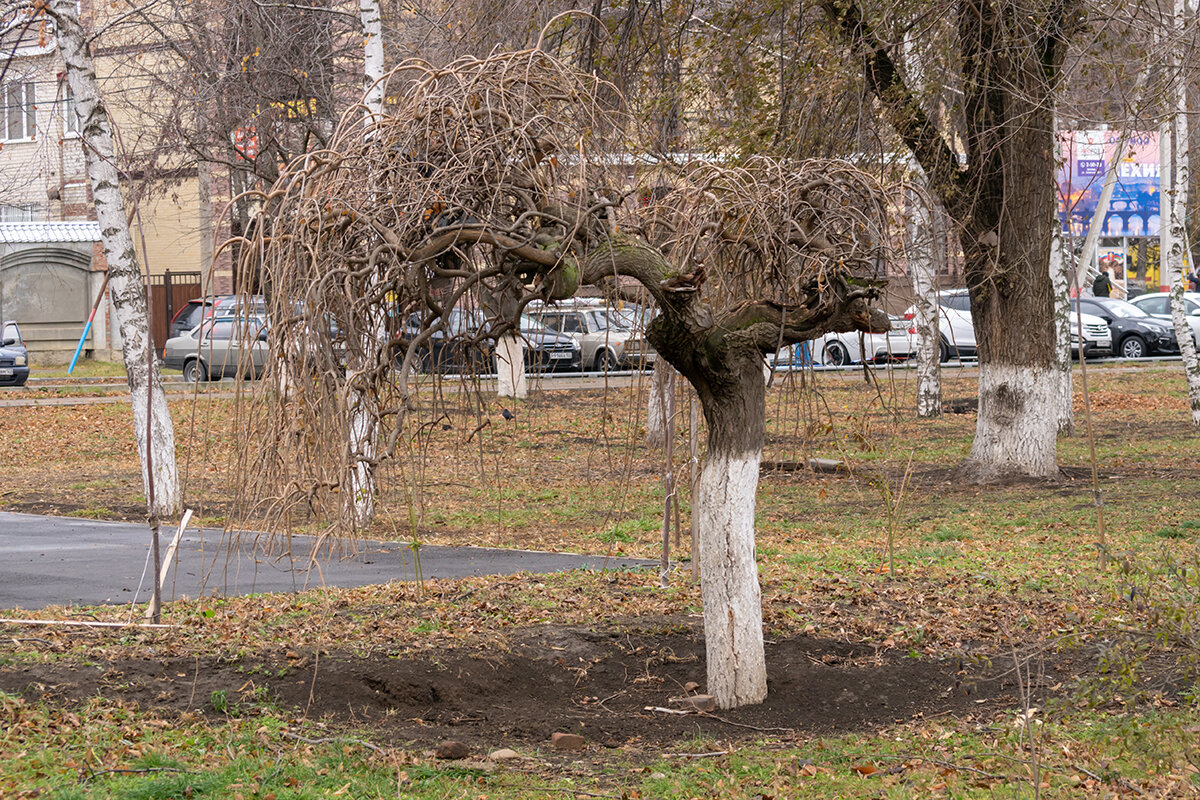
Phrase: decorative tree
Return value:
(491, 183)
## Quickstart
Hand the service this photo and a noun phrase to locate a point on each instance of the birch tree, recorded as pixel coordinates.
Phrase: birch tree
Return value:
(152, 424)
(492, 178)
(922, 265)
(1174, 231)
(363, 427)
(1060, 268)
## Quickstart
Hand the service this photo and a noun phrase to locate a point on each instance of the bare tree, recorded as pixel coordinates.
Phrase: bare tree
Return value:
(151, 417)
(1176, 198)
(1006, 64)
(494, 182)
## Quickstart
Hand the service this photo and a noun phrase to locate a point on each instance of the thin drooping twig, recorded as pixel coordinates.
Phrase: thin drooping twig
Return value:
(329, 739)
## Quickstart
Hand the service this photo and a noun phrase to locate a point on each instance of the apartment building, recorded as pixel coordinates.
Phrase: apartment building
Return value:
(51, 263)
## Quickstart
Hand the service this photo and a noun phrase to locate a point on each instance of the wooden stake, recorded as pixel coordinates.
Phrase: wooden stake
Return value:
(166, 565)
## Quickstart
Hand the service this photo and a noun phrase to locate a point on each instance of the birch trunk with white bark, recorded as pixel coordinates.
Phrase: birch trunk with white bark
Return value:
(151, 417)
(1059, 280)
(363, 427)
(371, 18)
(1176, 222)
(923, 269)
(510, 367)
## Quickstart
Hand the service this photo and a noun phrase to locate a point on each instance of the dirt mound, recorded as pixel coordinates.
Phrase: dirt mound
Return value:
(558, 679)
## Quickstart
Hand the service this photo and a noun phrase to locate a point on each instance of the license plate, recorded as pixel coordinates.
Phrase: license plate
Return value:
(561, 355)
(6, 372)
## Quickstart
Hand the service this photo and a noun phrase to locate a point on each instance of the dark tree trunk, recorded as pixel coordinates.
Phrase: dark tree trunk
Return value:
(1003, 203)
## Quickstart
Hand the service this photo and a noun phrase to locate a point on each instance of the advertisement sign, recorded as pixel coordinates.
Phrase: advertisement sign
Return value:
(245, 143)
(1085, 157)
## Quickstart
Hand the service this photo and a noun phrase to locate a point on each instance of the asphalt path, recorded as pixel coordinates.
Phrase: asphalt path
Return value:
(48, 561)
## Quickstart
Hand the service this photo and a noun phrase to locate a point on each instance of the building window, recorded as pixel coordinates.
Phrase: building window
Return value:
(28, 212)
(70, 115)
(20, 115)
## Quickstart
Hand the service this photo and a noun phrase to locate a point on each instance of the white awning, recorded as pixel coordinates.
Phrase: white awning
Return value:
(47, 232)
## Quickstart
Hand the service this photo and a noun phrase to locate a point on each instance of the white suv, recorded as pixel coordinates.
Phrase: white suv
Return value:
(957, 328)
(954, 324)
(1158, 305)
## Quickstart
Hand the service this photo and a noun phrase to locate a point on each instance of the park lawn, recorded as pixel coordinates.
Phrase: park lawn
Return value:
(1005, 574)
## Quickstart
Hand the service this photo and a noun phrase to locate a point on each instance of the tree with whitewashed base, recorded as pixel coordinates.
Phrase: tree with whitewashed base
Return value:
(991, 168)
(152, 424)
(491, 183)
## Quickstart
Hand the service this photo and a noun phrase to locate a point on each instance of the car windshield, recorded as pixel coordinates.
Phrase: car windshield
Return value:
(602, 320)
(531, 325)
(631, 317)
(1123, 309)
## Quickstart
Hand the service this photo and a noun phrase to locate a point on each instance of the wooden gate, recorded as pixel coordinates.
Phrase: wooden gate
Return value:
(169, 292)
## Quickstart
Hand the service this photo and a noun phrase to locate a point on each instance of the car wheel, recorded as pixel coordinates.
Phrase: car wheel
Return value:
(835, 354)
(1133, 347)
(194, 372)
(943, 350)
(606, 361)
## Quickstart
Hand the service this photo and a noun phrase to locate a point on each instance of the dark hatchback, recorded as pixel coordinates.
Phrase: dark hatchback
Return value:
(464, 345)
(14, 357)
(1135, 334)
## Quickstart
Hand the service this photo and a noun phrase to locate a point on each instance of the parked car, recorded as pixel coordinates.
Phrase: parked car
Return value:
(839, 349)
(220, 347)
(14, 357)
(600, 331)
(1158, 305)
(548, 350)
(1097, 338)
(464, 344)
(201, 308)
(1135, 334)
(955, 325)
(190, 315)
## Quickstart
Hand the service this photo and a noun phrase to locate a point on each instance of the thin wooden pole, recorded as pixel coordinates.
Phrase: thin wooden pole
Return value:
(694, 462)
(156, 600)
(668, 477)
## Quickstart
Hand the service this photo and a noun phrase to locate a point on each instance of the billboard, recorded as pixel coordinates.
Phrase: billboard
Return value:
(1084, 159)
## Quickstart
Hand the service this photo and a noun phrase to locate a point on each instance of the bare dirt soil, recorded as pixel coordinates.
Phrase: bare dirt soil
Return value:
(598, 683)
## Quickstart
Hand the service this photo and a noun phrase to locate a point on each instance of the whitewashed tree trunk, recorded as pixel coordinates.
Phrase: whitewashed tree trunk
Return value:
(656, 407)
(922, 267)
(733, 639)
(1013, 426)
(125, 278)
(1176, 218)
(360, 405)
(510, 367)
